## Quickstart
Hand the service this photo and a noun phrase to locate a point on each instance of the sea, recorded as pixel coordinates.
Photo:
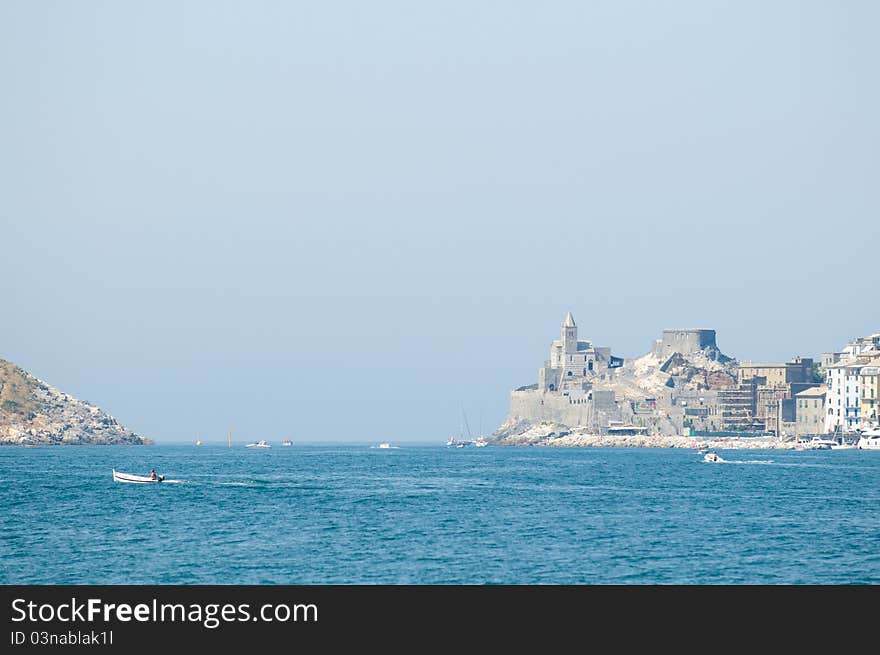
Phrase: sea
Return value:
(424, 514)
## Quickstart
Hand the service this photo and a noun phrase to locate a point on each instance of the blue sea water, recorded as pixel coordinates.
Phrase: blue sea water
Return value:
(433, 515)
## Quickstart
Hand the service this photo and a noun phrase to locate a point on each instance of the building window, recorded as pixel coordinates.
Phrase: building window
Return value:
(590, 366)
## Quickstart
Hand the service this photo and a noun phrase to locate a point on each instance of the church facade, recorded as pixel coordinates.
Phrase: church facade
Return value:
(573, 362)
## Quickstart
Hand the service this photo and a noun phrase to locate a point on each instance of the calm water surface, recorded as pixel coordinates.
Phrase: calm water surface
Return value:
(432, 515)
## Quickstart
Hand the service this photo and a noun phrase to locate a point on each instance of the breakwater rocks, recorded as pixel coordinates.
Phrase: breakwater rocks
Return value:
(555, 434)
(35, 413)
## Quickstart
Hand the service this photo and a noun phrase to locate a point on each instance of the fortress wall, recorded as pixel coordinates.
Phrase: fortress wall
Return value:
(537, 406)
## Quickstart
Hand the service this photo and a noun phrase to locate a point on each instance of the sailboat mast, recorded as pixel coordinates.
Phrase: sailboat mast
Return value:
(230, 437)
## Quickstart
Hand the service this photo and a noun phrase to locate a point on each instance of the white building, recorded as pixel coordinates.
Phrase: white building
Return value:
(843, 405)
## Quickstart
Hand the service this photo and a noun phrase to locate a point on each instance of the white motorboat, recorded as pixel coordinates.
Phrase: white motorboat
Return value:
(136, 479)
(816, 443)
(287, 442)
(480, 442)
(712, 457)
(869, 440)
(262, 443)
(384, 444)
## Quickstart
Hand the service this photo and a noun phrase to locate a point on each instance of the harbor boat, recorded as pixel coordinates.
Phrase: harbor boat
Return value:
(135, 479)
(869, 440)
(384, 444)
(816, 443)
(480, 442)
(262, 443)
(712, 457)
(844, 446)
(287, 442)
(461, 442)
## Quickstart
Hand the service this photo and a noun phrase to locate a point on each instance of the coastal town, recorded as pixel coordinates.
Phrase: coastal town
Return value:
(686, 388)
(684, 392)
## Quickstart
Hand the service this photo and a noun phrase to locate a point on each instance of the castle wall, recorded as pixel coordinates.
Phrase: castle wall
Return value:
(534, 405)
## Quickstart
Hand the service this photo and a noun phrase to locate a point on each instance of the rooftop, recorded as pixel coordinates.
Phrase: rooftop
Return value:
(813, 391)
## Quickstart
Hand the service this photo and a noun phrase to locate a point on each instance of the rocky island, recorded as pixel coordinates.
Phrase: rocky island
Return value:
(35, 413)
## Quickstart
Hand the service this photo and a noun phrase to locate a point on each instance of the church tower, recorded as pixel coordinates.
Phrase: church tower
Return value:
(569, 335)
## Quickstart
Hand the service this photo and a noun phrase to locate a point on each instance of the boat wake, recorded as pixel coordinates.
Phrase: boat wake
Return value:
(174, 481)
(747, 461)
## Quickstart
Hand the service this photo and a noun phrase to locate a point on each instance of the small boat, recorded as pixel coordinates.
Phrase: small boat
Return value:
(135, 479)
(262, 443)
(384, 444)
(816, 444)
(869, 440)
(287, 442)
(712, 457)
(479, 442)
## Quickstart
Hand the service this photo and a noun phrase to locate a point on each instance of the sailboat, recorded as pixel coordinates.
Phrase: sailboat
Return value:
(480, 441)
(198, 440)
(460, 442)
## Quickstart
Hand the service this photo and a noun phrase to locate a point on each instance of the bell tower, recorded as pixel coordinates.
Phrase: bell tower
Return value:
(569, 335)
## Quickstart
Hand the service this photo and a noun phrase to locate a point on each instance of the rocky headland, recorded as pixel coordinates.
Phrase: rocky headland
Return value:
(35, 413)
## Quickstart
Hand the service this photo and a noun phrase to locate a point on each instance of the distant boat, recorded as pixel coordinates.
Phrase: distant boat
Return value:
(460, 442)
(480, 442)
(135, 479)
(262, 443)
(384, 444)
(712, 457)
(869, 440)
(287, 442)
(198, 441)
(816, 444)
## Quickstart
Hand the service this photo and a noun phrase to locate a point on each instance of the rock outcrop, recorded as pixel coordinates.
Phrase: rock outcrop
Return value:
(33, 412)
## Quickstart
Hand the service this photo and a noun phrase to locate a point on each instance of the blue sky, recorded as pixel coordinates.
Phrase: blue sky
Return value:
(343, 220)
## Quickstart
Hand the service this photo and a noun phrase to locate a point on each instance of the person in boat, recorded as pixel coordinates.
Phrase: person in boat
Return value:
(152, 474)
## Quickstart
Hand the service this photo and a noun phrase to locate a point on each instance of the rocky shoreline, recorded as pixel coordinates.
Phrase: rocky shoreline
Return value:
(561, 436)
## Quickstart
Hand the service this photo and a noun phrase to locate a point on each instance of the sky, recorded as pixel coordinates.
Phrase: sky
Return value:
(356, 221)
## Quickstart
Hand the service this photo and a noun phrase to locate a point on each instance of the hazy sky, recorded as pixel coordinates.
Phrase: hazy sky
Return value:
(348, 220)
